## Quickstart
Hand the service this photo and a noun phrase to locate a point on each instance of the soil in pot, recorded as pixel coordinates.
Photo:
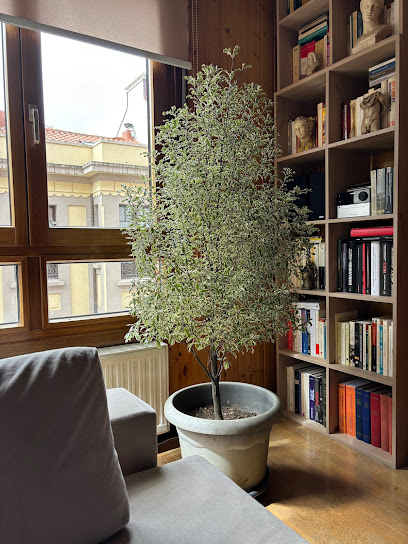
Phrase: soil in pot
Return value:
(228, 412)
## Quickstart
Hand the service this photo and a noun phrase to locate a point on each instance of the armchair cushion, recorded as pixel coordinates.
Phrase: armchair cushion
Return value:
(134, 430)
(59, 472)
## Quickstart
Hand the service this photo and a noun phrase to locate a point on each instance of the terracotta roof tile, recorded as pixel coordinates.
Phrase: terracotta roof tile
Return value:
(56, 135)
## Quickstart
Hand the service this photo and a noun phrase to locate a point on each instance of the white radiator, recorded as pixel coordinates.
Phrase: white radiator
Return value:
(142, 369)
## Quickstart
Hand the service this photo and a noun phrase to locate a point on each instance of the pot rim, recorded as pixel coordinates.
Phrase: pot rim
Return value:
(223, 427)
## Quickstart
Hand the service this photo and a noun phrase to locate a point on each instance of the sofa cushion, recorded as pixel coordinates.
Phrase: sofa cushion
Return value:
(59, 473)
(191, 502)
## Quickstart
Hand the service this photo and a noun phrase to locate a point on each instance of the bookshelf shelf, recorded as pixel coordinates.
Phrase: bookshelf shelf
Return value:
(359, 63)
(367, 449)
(356, 296)
(366, 374)
(305, 422)
(310, 87)
(311, 156)
(375, 141)
(347, 163)
(303, 15)
(302, 357)
(360, 219)
(312, 292)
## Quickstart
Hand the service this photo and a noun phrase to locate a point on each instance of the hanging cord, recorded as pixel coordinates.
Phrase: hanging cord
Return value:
(194, 35)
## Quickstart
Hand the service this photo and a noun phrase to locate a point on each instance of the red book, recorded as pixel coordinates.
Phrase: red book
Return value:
(375, 415)
(372, 231)
(389, 400)
(290, 339)
(384, 422)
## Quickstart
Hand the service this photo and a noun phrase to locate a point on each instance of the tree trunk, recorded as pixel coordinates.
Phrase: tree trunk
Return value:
(215, 383)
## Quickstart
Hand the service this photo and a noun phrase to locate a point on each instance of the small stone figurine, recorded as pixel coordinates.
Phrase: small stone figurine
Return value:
(373, 31)
(372, 105)
(312, 63)
(309, 275)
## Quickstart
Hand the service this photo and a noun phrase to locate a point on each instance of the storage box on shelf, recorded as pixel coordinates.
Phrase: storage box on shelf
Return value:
(348, 163)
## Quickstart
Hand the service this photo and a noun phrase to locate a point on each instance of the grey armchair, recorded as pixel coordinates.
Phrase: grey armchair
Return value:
(62, 481)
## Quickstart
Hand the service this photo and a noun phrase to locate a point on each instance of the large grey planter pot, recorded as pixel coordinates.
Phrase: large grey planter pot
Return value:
(239, 448)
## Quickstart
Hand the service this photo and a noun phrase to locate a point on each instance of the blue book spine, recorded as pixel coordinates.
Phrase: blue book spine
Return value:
(366, 417)
(304, 332)
(359, 414)
(311, 398)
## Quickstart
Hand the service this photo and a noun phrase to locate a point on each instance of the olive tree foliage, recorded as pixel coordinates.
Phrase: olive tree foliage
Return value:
(216, 245)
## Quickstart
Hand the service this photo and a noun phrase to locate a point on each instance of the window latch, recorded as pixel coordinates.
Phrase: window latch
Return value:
(34, 118)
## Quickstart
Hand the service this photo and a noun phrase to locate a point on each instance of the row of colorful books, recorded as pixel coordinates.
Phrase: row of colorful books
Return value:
(382, 190)
(317, 128)
(365, 412)
(313, 262)
(308, 333)
(355, 24)
(365, 261)
(306, 391)
(313, 49)
(366, 344)
(352, 112)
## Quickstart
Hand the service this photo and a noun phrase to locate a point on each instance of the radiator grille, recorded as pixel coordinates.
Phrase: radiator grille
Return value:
(143, 370)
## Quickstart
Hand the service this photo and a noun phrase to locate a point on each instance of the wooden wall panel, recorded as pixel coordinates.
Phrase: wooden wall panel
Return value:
(249, 24)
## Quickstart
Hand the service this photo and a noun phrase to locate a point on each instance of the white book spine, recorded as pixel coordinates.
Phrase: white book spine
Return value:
(364, 347)
(375, 268)
(352, 342)
(343, 343)
(391, 350)
(373, 192)
(384, 114)
(313, 333)
(385, 347)
(347, 343)
(391, 102)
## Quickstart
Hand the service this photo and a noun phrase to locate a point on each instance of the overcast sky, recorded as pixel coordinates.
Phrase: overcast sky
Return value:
(84, 88)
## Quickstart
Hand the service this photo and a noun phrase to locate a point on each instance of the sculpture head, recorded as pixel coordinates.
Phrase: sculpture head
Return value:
(371, 9)
(303, 128)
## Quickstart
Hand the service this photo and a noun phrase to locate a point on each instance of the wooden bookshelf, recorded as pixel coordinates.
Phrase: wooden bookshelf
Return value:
(347, 162)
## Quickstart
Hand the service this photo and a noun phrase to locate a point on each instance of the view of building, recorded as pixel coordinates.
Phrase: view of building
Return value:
(86, 174)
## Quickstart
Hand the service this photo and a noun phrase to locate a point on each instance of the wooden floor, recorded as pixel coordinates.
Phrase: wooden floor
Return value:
(330, 493)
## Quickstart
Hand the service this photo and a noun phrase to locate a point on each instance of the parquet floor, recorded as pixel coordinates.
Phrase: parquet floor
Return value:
(330, 493)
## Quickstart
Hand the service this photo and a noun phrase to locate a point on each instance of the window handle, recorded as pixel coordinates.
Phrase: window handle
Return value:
(34, 118)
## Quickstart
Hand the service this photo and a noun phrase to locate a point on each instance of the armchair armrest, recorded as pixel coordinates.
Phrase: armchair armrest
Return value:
(134, 431)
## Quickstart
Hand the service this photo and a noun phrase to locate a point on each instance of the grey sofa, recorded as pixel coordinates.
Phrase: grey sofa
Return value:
(62, 479)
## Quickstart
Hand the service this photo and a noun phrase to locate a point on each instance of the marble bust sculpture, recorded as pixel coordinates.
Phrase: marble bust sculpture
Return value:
(304, 132)
(373, 31)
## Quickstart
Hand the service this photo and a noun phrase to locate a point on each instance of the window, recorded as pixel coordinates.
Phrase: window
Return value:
(62, 169)
(87, 289)
(96, 129)
(9, 295)
(5, 200)
(124, 219)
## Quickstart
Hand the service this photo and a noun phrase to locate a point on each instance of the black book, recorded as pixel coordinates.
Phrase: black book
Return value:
(359, 268)
(344, 266)
(385, 271)
(357, 344)
(316, 196)
(339, 269)
(367, 267)
(351, 264)
(301, 182)
(389, 182)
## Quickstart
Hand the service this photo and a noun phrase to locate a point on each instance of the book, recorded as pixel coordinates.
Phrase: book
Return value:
(385, 419)
(391, 102)
(366, 410)
(296, 63)
(351, 404)
(371, 231)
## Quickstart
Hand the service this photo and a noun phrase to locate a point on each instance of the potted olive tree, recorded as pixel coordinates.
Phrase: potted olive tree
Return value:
(215, 247)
